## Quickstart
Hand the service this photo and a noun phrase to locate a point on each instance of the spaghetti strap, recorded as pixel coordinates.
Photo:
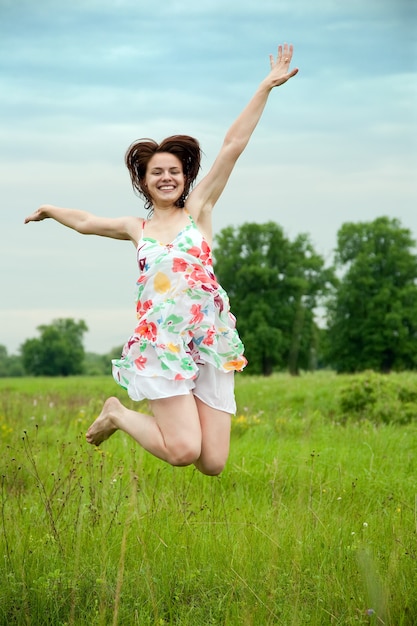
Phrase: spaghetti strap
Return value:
(186, 211)
(143, 227)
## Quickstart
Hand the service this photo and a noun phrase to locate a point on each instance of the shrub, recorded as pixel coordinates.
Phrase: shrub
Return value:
(379, 398)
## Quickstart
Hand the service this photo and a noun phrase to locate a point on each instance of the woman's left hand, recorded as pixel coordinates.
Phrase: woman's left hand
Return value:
(280, 67)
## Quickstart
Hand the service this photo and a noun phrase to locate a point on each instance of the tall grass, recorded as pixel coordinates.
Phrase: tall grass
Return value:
(313, 520)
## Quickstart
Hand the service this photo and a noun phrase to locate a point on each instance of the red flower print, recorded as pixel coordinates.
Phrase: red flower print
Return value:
(140, 362)
(195, 251)
(131, 342)
(203, 253)
(179, 265)
(209, 338)
(219, 302)
(198, 275)
(141, 308)
(147, 330)
(198, 316)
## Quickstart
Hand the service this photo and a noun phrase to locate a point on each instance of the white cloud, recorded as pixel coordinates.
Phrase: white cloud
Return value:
(80, 83)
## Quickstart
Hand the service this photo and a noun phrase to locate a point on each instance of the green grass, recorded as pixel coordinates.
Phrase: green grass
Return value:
(313, 521)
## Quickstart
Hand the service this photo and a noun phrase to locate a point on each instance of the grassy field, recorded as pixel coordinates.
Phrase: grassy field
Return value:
(313, 520)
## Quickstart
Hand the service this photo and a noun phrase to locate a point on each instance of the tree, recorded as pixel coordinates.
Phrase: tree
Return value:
(100, 364)
(274, 285)
(4, 357)
(58, 351)
(10, 364)
(372, 321)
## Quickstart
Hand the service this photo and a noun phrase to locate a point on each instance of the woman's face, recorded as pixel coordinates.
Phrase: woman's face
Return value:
(164, 178)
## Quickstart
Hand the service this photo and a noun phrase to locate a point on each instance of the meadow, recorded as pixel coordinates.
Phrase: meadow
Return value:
(313, 521)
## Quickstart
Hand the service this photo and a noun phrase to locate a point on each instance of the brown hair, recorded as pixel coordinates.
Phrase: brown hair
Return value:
(185, 148)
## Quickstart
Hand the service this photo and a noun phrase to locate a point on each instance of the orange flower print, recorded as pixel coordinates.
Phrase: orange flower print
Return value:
(237, 364)
(147, 330)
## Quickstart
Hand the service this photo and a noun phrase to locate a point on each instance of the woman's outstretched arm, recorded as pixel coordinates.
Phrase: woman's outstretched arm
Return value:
(126, 228)
(208, 191)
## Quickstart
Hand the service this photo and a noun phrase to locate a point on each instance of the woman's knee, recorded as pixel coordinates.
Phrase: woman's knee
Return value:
(182, 453)
(212, 466)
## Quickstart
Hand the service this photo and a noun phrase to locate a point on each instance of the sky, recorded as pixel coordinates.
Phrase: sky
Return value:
(81, 80)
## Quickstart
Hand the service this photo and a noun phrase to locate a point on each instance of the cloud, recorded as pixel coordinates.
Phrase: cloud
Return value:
(81, 80)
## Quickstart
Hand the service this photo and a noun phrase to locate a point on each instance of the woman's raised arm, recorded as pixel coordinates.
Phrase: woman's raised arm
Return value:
(208, 191)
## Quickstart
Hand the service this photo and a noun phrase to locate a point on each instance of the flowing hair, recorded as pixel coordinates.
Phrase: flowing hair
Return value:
(185, 148)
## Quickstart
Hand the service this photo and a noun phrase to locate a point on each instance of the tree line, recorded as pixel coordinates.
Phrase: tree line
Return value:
(276, 286)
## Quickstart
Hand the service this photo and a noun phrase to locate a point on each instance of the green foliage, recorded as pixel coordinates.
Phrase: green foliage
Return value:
(10, 364)
(379, 399)
(58, 351)
(274, 286)
(373, 314)
(100, 364)
(96, 364)
(311, 522)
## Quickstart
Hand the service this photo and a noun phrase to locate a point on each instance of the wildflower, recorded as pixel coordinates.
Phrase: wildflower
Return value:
(365, 525)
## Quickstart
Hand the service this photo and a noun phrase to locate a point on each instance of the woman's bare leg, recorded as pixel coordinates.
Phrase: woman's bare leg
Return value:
(215, 439)
(172, 433)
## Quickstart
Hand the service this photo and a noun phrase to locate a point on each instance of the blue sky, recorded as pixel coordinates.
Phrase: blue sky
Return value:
(81, 80)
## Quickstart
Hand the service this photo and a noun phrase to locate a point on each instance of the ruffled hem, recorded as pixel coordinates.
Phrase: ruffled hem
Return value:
(140, 387)
(150, 370)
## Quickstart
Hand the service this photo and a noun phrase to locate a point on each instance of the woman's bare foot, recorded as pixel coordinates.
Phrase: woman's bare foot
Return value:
(104, 427)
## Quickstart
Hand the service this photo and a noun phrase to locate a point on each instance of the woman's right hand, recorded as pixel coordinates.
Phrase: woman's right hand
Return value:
(38, 215)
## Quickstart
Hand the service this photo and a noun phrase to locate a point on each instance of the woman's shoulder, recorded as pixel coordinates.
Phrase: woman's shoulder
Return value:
(202, 221)
(133, 227)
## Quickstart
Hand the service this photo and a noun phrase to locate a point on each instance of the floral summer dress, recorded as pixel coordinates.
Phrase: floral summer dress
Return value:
(184, 319)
